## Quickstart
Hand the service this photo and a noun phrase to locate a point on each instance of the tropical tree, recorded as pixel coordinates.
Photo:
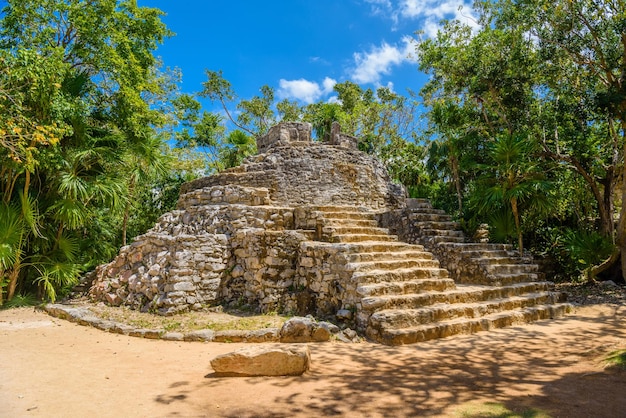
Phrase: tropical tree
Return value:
(452, 146)
(584, 43)
(78, 84)
(552, 73)
(254, 116)
(237, 146)
(512, 180)
(384, 122)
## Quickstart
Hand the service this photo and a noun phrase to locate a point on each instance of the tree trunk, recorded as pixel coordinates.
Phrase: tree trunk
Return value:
(131, 189)
(13, 282)
(457, 182)
(621, 229)
(125, 223)
(520, 241)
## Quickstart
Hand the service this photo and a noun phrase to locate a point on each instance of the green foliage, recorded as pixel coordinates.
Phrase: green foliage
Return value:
(256, 115)
(543, 74)
(20, 301)
(237, 146)
(616, 360)
(383, 121)
(586, 248)
(79, 100)
(501, 225)
(157, 197)
(497, 410)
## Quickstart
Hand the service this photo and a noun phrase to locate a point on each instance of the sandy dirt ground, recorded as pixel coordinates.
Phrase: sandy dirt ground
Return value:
(53, 368)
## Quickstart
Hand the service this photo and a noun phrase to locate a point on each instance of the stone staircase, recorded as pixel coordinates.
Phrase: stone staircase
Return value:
(468, 262)
(405, 296)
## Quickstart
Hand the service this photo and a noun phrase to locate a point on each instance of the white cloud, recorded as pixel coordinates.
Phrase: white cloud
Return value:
(304, 90)
(433, 11)
(428, 12)
(328, 85)
(372, 65)
(380, 6)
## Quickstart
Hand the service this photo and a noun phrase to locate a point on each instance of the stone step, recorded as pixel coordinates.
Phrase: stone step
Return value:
(442, 233)
(330, 208)
(389, 255)
(510, 268)
(401, 275)
(352, 222)
(496, 257)
(445, 225)
(503, 279)
(357, 230)
(488, 254)
(437, 240)
(429, 210)
(418, 203)
(430, 217)
(351, 238)
(402, 311)
(466, 326)
(350, 215)
(457, 294)
(424, 286)
(377, 247)
(476, 246)
(391, 264)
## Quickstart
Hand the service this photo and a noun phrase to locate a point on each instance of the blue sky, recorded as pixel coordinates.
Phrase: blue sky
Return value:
(301, 48)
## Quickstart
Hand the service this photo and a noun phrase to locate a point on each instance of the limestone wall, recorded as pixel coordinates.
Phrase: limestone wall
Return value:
(325, 274)
(164, 273)
(194, 256)
(263, 271)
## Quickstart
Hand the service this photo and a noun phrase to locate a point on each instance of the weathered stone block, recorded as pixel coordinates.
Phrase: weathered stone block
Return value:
(184, 286)
(281, 360)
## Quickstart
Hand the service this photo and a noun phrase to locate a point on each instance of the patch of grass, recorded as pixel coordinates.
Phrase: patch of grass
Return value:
(189, 321)
(19, 301)
(497, 410)
(616, 360)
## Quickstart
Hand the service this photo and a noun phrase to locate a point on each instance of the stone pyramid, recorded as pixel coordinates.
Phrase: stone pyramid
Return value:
(297, 228)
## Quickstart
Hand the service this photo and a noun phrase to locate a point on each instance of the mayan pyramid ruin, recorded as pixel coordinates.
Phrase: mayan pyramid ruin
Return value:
(318, 228)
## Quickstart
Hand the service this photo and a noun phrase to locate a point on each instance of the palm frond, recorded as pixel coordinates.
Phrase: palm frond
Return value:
(30, 213)
(71, 212)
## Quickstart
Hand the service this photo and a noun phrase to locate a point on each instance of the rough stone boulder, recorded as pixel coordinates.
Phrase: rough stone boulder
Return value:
(306, 329)
(263, 360)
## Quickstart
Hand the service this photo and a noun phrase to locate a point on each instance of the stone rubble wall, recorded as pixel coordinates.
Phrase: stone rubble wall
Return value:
(188, 260)
(313, 174)
(297, 172)
(263, 269)
(325, 277)
(228, 194)
(164, 273)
